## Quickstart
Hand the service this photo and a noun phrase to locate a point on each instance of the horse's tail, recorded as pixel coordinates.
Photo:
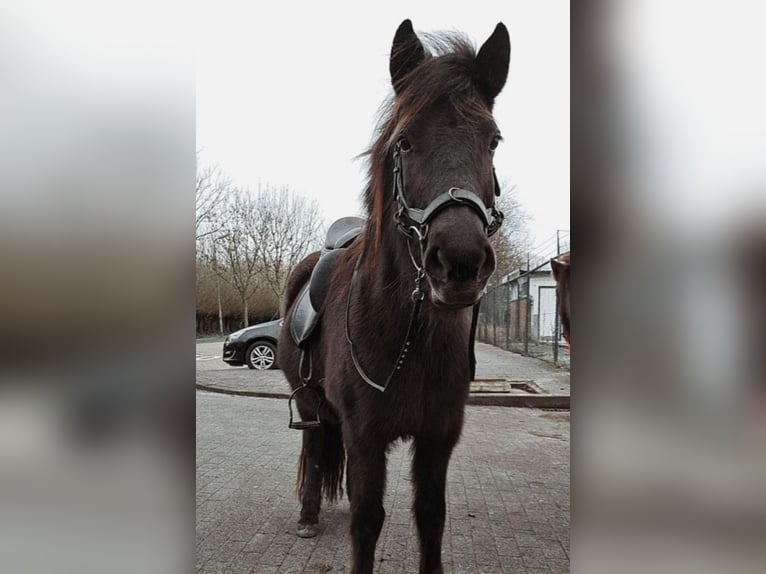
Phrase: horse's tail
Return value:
(333, 463)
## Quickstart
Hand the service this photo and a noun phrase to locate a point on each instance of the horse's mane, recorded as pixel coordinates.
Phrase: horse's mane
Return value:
(447, 73)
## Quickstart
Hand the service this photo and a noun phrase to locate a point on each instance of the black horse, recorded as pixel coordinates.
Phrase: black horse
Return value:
(391, 357)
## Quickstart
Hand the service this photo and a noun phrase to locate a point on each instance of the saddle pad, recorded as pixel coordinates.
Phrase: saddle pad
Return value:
(310, 304)
(320, 278)
(305, 318)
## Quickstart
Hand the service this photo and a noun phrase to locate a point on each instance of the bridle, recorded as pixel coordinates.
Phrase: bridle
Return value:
(413, 223)
(411, 220)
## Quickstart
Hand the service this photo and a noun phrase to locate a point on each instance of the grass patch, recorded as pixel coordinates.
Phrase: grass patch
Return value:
(211, 339)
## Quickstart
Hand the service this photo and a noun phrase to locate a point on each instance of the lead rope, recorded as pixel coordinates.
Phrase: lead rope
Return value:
(472, 340)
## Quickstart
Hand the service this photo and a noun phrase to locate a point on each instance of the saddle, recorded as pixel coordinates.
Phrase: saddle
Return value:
(310, 304)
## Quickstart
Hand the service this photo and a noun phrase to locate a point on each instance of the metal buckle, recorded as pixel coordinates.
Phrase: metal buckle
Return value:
(497, 221)
(451, 193)
(418, 294)
(401, 225)
(417, 231)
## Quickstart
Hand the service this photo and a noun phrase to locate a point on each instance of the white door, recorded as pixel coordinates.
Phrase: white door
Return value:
(546, 310)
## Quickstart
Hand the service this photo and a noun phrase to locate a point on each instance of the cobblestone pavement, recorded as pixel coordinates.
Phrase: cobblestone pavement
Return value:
(491, 362)
(508, 495)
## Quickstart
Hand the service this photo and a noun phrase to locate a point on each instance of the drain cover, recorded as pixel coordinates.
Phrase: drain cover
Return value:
(506, 386)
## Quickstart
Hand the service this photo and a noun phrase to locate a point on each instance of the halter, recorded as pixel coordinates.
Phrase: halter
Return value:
(413, 223)
(408, 218)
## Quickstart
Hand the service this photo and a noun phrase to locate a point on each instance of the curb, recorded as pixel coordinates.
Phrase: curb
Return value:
(234, 392)
(526, 401)
(476, 399)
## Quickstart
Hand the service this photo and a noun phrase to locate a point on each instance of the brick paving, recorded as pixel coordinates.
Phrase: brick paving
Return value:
(507, 508)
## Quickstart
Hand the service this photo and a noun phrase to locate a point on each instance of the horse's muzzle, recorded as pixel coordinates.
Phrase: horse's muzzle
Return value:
(458, 274)
(446, 301)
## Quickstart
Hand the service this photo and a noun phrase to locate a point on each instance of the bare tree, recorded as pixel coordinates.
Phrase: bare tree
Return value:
(248, 242)
(209, 274)
(212, 187)
(239, 262)
(512, 242)
(285, 229)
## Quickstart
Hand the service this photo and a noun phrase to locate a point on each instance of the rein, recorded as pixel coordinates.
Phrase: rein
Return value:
(413, 223)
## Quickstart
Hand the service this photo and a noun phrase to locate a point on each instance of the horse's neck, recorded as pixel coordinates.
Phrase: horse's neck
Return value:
(392, 271)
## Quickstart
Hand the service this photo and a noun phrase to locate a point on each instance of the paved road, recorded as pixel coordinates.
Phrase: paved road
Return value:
(491, 362)
(508, 494)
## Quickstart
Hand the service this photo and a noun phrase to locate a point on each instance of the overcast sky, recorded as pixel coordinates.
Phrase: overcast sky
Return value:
(288, 93)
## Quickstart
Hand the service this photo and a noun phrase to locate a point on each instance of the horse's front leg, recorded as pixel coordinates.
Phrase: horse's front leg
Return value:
(429, 473)
(366, 482)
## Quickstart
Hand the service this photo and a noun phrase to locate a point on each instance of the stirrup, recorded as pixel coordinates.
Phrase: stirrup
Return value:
(304, 425)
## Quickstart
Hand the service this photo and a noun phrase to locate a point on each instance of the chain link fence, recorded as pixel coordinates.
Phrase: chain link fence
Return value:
(521, 313)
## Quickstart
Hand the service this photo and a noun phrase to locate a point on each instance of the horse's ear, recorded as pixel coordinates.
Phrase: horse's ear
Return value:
(492, 62)
(406, 53)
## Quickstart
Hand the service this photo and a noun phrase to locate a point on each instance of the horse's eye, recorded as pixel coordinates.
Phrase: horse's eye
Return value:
(404, 144)
(494, 143)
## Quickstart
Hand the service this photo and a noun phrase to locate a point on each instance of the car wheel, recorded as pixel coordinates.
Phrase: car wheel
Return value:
(261, 355)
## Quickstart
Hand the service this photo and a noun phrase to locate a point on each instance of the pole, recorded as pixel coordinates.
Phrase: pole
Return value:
(507, 316)
(494, 316)
(556, 311)
(528, 317)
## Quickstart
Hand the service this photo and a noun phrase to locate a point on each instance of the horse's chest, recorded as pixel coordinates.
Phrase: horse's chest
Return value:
(425, 396)
(427, 405)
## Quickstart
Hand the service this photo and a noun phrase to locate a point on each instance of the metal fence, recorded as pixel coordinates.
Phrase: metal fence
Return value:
(521, 313)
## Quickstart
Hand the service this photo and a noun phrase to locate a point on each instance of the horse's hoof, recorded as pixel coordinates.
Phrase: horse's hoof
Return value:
(306, 530)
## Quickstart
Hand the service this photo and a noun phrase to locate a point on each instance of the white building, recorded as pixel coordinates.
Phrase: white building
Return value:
(541, 288)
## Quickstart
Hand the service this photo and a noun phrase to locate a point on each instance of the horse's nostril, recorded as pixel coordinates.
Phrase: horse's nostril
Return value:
(459, 265)
(468, 267)
(464, 271)
(489, 262)
(436, 265)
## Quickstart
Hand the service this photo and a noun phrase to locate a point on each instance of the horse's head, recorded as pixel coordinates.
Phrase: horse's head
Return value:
(441, 138)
